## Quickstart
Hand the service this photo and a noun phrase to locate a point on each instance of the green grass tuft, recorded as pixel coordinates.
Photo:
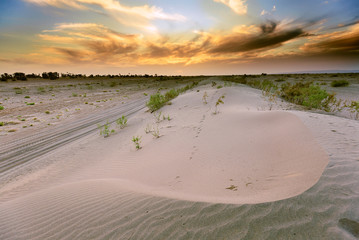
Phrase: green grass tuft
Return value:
(339, 83)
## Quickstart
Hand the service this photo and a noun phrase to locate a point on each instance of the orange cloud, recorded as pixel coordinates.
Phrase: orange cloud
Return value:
(343, 42)
(139, 16)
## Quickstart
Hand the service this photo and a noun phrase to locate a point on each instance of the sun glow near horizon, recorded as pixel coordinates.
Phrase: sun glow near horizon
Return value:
(191, 37)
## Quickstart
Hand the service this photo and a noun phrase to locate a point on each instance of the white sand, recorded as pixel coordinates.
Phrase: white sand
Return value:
(239, 155)
(101, 188)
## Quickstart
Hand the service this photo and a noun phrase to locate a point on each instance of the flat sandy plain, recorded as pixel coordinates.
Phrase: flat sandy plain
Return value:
(244, 170)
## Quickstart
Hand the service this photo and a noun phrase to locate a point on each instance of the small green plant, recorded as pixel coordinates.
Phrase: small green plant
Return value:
(30, 103)
(105, 130)
(156, 102)
(27, 97)
(47, 112)
(155, 132)
(219, 86)
(18, 91)
(145, 94)
(41, 89)
(122, 122)
(204, 98)
(339, 83)
(2, 107)
(148, 129)
(74, 94)
(157, 117)
(219, 101)
(2, 124)
(137, 141)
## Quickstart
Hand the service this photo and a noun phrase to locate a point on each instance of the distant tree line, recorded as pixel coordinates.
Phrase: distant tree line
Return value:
(55, 75)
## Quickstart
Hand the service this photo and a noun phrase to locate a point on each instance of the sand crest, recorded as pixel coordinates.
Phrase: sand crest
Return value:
(234, 156)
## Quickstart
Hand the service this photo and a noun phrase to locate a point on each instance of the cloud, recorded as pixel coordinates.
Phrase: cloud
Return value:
(238, 6)
(264, 12)
(269, 37)
(340, 42)
(89, 42)
(138, 16)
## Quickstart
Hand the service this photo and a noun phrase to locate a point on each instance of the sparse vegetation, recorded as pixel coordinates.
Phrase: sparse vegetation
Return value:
(155, 132)
(2, 107)
(41, 89)
(219, 101)
(105, 130)
(339, 83)
(158, 100)
(122, 122)
(137, 141)
(306, 94)
(204, 98)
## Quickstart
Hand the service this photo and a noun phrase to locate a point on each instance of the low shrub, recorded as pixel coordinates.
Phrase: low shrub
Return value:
(305, 94)
(339, 83)
(156, 102)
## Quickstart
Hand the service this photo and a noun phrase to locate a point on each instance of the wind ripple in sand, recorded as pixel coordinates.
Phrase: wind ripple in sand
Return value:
(110, 213)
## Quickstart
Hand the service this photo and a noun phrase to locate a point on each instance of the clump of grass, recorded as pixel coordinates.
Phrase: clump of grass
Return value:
(113, 84)
(18, 91)
(204, 98)
(47, 112)
(27, 97)
(122, 122)
(171, 94)
(157, 117)
(30, 103)
(41, 89)
(158, 100)
(2, 107)
(219, 101)
(155, 132)
(339, 83)
(105, 130)
(74, 94)
(137, 141)
(2, 124)
(306, 94)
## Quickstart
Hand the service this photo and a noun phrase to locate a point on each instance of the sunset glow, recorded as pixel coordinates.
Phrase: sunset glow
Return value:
(178, 37)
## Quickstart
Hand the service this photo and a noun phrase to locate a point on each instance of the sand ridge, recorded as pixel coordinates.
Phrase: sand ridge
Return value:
(94, 194)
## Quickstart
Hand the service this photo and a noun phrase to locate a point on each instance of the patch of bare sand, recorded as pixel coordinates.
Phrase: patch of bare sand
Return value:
(234, 156)
(239, 155)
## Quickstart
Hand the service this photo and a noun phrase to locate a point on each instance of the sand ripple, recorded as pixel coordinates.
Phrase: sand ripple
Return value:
(101, 209)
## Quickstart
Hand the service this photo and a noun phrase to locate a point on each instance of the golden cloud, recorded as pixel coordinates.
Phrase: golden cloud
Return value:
(238, 6)
(138, 16)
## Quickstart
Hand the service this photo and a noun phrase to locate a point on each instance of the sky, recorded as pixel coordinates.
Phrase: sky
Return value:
(178, 37)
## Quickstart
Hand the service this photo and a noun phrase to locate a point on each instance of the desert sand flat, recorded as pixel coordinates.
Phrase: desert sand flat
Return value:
(239, 171)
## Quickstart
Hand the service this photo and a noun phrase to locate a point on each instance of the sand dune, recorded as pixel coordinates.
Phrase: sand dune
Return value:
(105, 189)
